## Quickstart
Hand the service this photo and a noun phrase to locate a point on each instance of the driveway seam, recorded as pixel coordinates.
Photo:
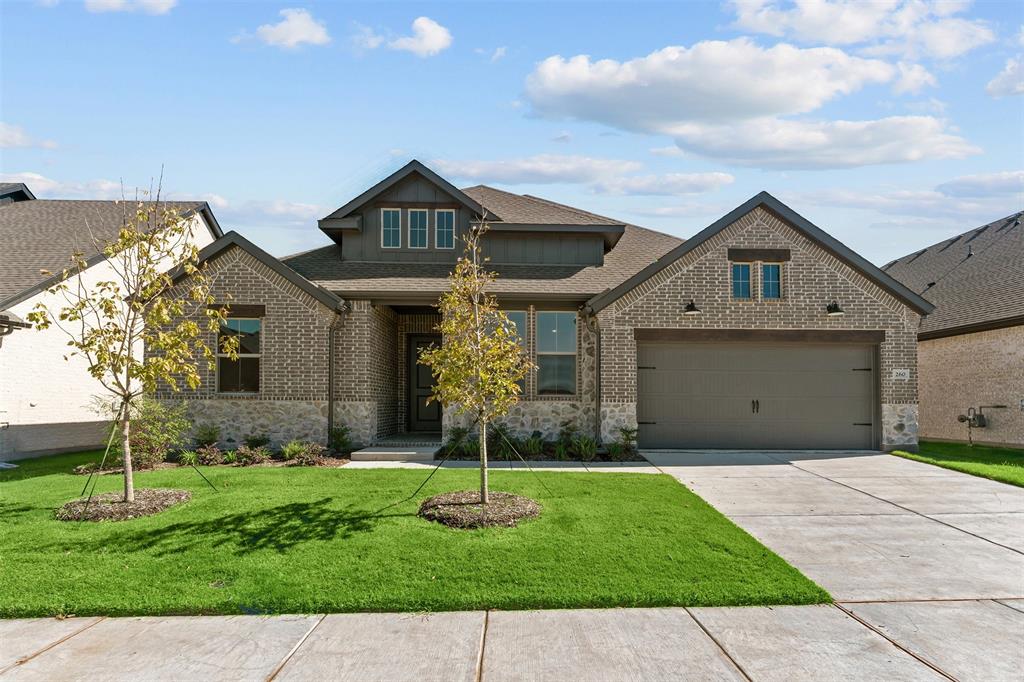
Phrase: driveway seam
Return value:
(483, 646)
(302, 640)
(714, 639)
(896, 504)
(892, 641)
(26, 659)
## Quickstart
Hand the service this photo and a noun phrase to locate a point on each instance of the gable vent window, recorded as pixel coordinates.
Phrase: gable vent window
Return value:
(417, 228)
(444, 229)
(556, 353)
(241, 375)
(391, 228)
(741, 280)
(771, 280)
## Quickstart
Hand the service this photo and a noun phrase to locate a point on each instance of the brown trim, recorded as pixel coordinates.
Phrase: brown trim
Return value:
(972, 328)
(415, 204)
(763, 255)
(762, 335)
(241, 310)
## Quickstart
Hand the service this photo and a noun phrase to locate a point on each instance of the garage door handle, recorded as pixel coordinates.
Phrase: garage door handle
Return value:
(757, 406)
(647, 422)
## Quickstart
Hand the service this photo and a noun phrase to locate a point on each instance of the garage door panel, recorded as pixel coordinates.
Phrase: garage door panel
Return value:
(699, 395)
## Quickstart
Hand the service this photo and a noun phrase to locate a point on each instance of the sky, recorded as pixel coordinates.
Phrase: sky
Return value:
(891, 124)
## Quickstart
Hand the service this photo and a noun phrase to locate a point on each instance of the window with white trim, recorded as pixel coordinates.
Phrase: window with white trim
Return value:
(556, 353)
(391, 228)
(241, 375)
(418, 228)
(444, 228)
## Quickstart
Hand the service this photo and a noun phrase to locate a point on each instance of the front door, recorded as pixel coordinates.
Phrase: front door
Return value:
(422, 417)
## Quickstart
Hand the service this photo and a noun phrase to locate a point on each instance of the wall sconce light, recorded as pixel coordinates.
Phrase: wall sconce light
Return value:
(691, 308)
(833, 310)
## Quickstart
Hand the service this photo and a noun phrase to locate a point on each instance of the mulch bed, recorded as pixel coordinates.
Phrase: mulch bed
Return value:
(109, 507)
(462, 509)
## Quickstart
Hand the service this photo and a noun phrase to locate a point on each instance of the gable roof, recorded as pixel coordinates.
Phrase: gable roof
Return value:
(767, 201)
(41, 234)
(405, 171)
(975, 279)
(232, 239)
(16, 191)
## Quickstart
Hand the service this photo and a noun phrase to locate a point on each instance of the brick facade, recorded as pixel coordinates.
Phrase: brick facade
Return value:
(972, 370)
(811, 279)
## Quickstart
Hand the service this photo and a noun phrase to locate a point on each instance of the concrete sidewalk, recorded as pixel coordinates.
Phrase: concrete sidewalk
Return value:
(862, 641)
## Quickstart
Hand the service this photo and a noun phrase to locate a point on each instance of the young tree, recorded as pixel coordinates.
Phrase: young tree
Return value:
(480, 362)
(109, 322)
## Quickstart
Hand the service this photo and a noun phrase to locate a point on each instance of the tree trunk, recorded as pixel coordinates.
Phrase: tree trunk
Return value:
(126, 449)
(484, 499)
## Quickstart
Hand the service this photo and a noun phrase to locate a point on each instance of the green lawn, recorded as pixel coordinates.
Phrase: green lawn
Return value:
(334, 540)
(999, 464)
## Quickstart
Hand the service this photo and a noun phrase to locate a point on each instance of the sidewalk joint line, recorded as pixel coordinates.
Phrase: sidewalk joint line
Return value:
(483, 645)
(896, 644)
(302, 640)
(26, 659)
(714, 639)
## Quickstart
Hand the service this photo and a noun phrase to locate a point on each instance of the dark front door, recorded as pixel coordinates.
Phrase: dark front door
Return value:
(422, 417)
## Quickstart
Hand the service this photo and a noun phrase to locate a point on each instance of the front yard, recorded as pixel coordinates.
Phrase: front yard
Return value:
(999, 464)
(288, 540)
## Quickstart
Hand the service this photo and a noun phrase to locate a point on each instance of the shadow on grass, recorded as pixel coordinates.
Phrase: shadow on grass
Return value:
(279, 529)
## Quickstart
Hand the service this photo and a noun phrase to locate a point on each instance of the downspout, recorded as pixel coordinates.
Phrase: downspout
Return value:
(595, 327)
(331, 333)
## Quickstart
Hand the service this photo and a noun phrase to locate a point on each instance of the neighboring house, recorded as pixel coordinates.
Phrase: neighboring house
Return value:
(971, 349)
(46, 403)
(761, 331)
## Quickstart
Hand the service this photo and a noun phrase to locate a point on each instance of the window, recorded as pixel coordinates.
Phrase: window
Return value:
(418, 228)
(391, 228)
(556, 353)
(444, 229)
(741, 280)
(241, 375)
(518, 318)
(771, 280)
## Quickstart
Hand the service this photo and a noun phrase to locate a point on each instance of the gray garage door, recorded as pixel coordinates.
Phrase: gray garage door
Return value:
(755, 395)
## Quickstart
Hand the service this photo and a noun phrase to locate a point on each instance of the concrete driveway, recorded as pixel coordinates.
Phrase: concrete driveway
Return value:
(929, 558)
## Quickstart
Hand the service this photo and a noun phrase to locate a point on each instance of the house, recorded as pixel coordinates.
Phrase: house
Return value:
(761, 331)
(971, 349)
(47, 403)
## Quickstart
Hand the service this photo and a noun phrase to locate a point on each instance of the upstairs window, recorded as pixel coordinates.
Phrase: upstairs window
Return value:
(241, 375)
(556, 353)
(417, 228)
(771, 280)
(391, 228)
(444, 229)
(741, 280)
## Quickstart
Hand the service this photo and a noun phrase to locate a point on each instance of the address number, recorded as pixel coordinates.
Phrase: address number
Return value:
(901, 374)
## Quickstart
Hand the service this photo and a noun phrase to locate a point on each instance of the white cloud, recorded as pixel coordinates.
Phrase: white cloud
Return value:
(146, 6)
(499, 53)
(539, 169)
(45, 187)
(904, 27)
(15, 136)
(671, 85)
(563, 137)
(1009, 81)
(912, 78)
(365, 38)
(670, 151)
(775, 143)
(1005, 184)
(298, 27)
(684, 210)
(428, 38)
(669, 184)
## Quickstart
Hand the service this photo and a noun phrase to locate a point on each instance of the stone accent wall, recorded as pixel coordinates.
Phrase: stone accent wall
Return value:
(280, 420)
(970, 370)
(899, 427)
(811, 279)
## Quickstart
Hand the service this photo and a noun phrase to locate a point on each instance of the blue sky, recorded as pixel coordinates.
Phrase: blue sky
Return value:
(890, 124)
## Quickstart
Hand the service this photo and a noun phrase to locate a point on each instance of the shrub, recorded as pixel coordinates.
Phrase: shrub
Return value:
(534, 445)
(625, 447)
(471, 447)
(311, 455)
(568, 434)
(230, 456)
(561, 450)
(188, 458)
(585, 448)
(501, 442)
(209, 455)
(247, 456)
(206, 434)
(292, 449)
(157, 429)
(627, 437)
(341, 439)
(457, 437)
(617, 452)
(256, 440)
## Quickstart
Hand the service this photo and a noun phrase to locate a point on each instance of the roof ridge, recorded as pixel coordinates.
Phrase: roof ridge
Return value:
(579, 211)
(941, 242)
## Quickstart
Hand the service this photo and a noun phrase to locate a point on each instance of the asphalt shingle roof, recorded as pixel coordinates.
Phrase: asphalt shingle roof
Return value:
(637, 248)
(42, 234)
(974, 278)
